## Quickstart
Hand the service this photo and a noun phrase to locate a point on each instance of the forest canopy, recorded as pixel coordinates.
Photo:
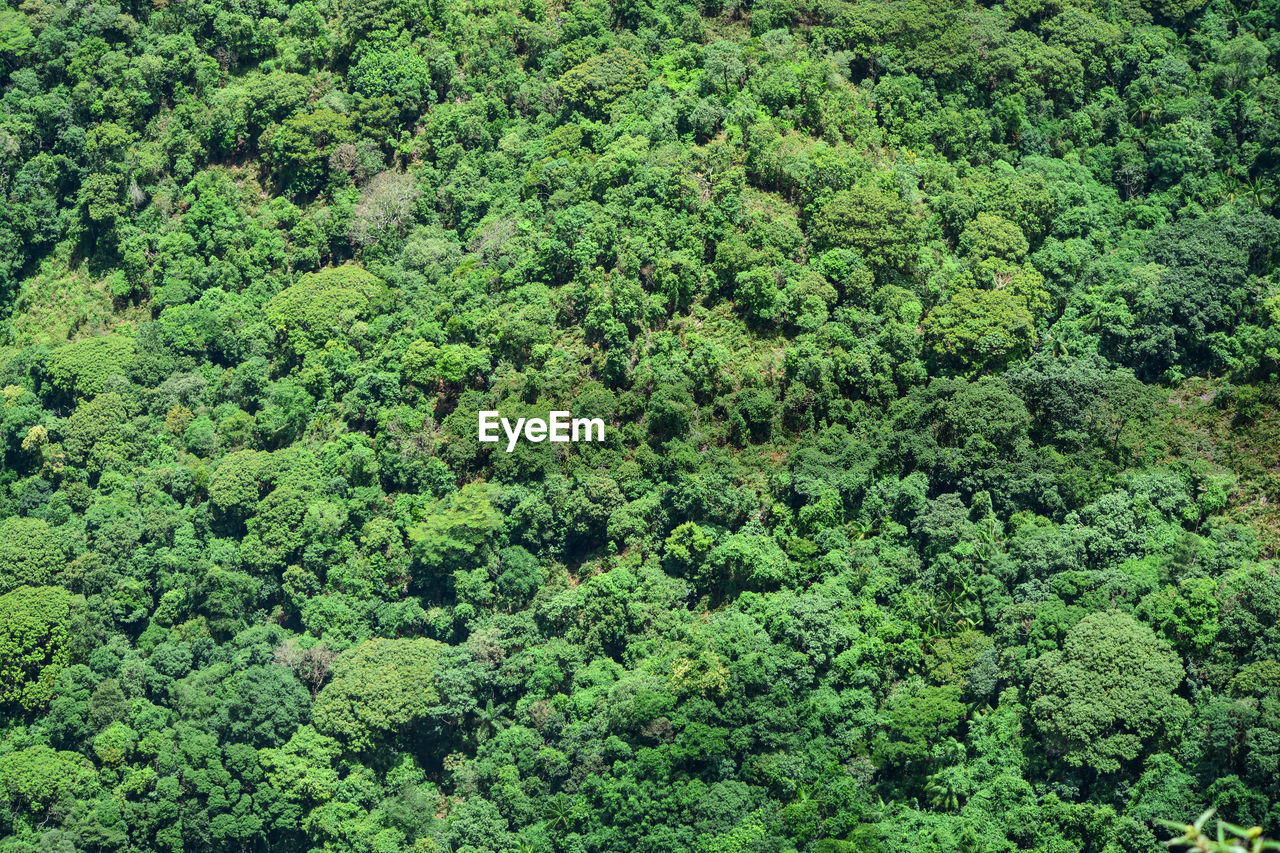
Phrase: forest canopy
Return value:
(938, 345)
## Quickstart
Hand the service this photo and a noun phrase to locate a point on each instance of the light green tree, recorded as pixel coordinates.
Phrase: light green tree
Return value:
(34, 643)
(978, 329)
(324, 306)
(30, 552)
(1109, 693)
(378, 688)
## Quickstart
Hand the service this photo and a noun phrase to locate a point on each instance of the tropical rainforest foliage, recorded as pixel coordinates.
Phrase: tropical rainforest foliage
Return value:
(939, 348)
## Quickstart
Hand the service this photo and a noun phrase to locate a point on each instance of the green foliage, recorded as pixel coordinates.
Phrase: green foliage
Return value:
(401, 74)
(83, 367)
(1109, 693)
(937, 347)
(1194, 298)
(235, 484)
(38, 778)
(981, 329)
(114, 744)
(595, 83)
(15, 33)
(1228, 839)
(427, 365)
(301, 770)
(456, 529)
(379, 687)
(915, 720)
(34, 643)
(330, 305)
(300, 148)
(989, 236)
(30, 553)
(878, 224)
(97, 431)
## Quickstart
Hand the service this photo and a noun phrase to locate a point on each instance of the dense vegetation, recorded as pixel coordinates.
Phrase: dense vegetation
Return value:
(939, 345)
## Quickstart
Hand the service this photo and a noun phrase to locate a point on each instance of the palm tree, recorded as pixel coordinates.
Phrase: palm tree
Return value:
(490, 720)
(1244, 19)
(990, 539)
(1057, 345)
(561, 813)
(968, 842)
(1262, 193)
(861, 528)
(952, 609)
(524, 845)
(935, 617)
(1091, 321)
(950, 752)
(947, 788)
(1149, 109)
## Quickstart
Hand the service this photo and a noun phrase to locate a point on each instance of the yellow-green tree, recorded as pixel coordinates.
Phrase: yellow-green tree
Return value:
(34, 648)
(324, 306)
(1109, 693)
(378, 688)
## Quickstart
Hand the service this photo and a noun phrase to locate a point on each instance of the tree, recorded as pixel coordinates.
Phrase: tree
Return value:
(452, 365)
(324, 306)
(1198, 293)
(458, 529)
(594, 84)
(746, 560)
(990, 236)
(379, 688)
(916, 717)
(927, 334)
(724, 66)
(83, 367)
(402, 74)
(1075, 398)
(267, 704)
(30, 553)
(302, 770)
(385, 211)
(1108, 694)
(879, 225)
(96, 431)
(300, 147)
(16, 38)
(37, 777)
(686, 548)
(520, 575)
(114, 744)
(34, 643)
(976, 330)
(236, 482)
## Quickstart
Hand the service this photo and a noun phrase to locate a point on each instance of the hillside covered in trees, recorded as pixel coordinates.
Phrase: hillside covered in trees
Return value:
(938, 344)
